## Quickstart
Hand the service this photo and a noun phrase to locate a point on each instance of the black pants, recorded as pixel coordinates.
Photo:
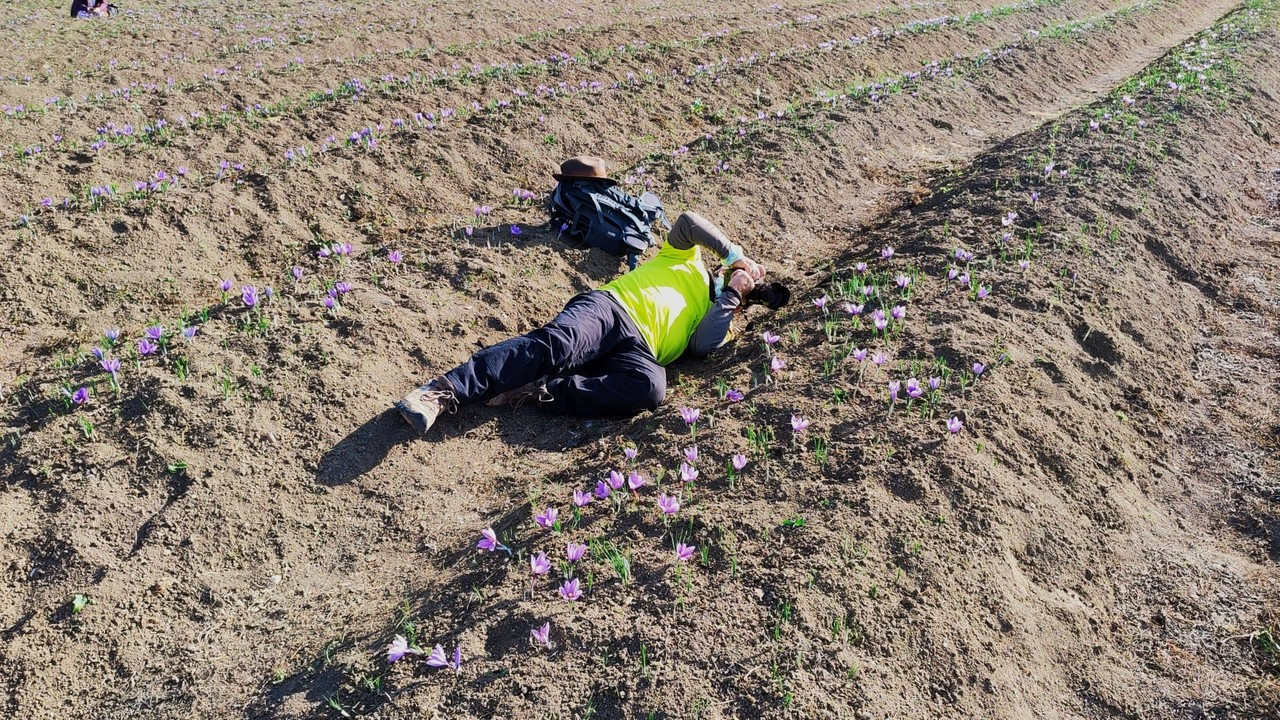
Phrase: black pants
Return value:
(594, 357)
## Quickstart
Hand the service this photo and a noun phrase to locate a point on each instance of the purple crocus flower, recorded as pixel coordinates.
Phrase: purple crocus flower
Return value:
(602, 490)
(112, 335)
(1035, 196)
(894, 387)
(898, 312)
(978, 368)
(249, 294)
(777, 363)
(539, 564)
(399, 648)
(739, 461)
(581, 499)
(296, 272)
(734, 396)
(395, 256)
(1024, 264)
(770, 338)
(820, 303)
(439, 660)
(616, 480)
(935, 383)
(954, 425)
(690, 415)
(225, 285)
(860, 268)
(983, 292)
(571, 590)
(457, 659)
(189, 332)
(886, 252)
(798, 423)
(913, 388)
(853, 310)
(329, 302)
(98, 353)
(489, 541)
(952, 272)
(629, 453)
(879, 359)
(688, 473)
(155, 332)
(515, 230)
(146, 347)
(691, 454)
(111, 365)
(542, 634)
(860, 354)
(903, 281)
(80, 396)
(668, 504)
(635, 481)
(575, 551)
(684, 553)
(547, 518)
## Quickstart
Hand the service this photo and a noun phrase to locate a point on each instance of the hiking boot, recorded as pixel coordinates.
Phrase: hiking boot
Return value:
(535, 391)
(421, 407)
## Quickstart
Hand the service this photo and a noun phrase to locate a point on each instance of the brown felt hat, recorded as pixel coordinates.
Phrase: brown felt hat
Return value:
(583, 167)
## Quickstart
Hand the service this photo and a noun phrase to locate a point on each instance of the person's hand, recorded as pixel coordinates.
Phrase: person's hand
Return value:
(741, 281)
(751, 267)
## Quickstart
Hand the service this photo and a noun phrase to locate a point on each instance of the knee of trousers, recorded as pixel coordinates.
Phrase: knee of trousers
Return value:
(558, 345)
(657, 388)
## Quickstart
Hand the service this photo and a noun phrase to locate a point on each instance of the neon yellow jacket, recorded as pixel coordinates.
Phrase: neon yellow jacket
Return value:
(666, 297)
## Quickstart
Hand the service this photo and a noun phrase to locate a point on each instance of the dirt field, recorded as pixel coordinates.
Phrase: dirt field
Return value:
(1082, 198)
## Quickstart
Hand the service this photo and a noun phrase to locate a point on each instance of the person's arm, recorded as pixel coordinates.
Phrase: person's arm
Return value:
(713, 330)
(692, 229)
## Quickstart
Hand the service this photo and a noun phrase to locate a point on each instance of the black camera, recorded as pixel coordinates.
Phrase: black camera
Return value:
(772, 296)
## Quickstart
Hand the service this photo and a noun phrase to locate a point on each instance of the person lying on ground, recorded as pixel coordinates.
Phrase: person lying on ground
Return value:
(605, 353)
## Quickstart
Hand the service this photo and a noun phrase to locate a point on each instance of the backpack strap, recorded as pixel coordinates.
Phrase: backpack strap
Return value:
(601, 199)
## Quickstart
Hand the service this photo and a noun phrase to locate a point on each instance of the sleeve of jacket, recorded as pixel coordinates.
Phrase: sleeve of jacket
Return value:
(692, 229)
(713, 330)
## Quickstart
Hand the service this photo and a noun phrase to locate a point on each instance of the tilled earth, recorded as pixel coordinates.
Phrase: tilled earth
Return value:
(1082, 197)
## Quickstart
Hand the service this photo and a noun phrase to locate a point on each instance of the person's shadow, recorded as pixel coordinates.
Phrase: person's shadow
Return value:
(364, 448)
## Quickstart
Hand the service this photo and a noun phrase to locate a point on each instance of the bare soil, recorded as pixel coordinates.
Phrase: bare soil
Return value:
(242, 527)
